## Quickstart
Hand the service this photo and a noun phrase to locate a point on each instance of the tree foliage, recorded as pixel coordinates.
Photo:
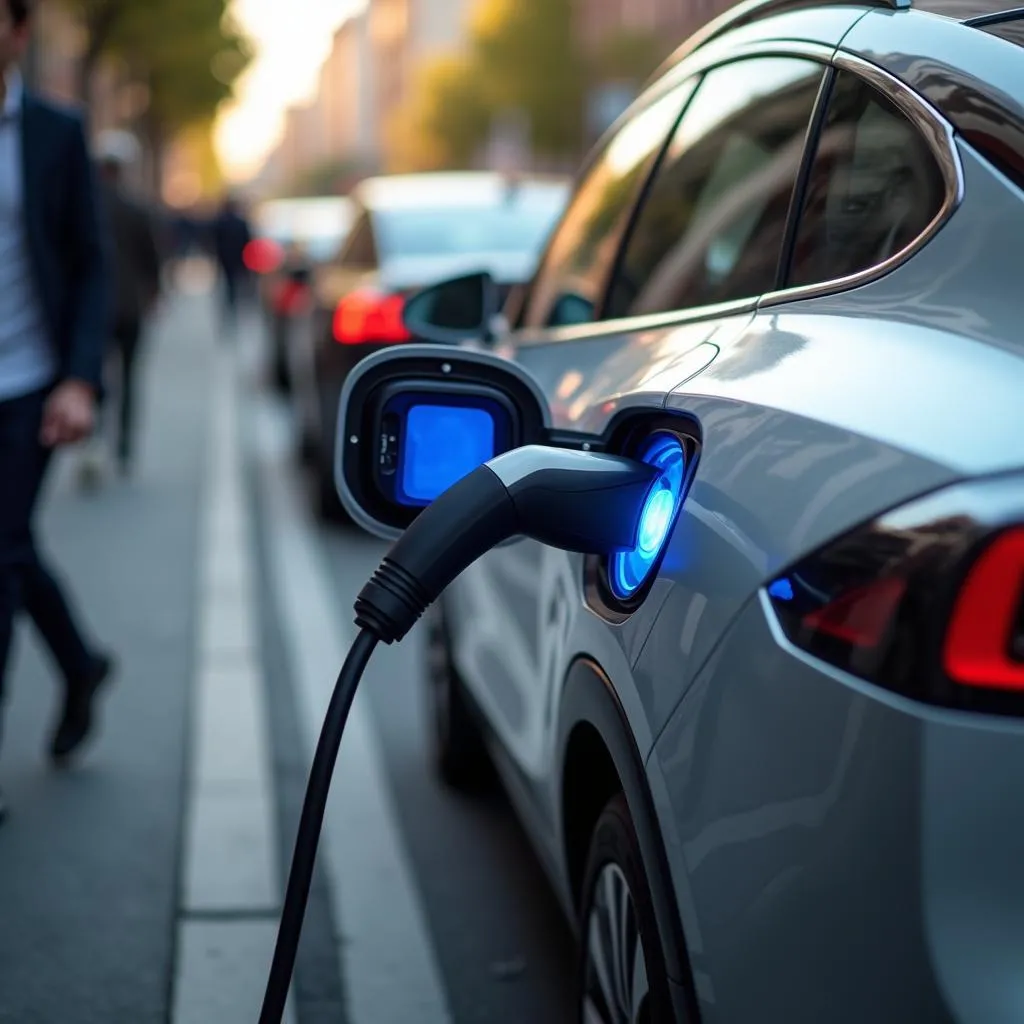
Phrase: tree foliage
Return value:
(524, 58)
(445, 122)
(528, 60)
(188, 52)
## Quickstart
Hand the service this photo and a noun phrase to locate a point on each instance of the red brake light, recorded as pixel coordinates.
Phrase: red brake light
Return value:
(926, 601)
(262, 256)
(290, 297)
(366, 316)
(979, 643)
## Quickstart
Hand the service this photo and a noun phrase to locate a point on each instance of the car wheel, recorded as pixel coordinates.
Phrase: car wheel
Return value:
(458, 750)
(622, 978)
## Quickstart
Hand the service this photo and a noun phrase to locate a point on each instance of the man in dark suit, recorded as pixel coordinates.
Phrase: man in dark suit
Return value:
(54, 316)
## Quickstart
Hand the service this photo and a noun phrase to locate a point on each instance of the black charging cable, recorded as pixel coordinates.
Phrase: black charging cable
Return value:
(572, 500)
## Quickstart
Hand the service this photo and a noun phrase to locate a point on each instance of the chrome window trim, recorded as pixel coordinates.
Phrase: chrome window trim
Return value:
(941, 139)
(937, 131)
(534, 337)
(728, 52)
(699, 64)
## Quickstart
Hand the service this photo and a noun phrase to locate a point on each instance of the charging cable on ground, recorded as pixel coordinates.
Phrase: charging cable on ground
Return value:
(575, 501)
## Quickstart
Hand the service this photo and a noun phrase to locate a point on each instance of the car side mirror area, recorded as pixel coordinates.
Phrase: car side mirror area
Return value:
(414, 420)
(451, 312)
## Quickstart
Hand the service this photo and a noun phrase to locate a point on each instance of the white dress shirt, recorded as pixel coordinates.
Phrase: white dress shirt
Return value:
(27, 360)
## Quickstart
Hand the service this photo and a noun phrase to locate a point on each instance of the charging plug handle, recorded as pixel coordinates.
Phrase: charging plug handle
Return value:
(575, 501)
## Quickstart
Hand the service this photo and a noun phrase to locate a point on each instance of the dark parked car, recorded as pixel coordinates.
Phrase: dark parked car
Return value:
(409, 231)
(292, 237)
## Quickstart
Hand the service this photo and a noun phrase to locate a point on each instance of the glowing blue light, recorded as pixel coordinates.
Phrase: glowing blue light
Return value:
(655, 520)
(781, 589)
(629, 570)
(443, 443)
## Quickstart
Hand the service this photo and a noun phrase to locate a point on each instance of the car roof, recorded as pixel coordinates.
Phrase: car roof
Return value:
(961, 56)
(453, 188)
(750, 11)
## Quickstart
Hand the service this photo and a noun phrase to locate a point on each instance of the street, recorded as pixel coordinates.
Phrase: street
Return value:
(144, 884)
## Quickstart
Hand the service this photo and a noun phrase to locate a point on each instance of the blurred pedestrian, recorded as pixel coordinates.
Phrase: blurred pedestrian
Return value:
(231, 234)
(136, 268)
(53, 319)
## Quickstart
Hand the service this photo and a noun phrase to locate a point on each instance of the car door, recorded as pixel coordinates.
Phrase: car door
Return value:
(690, 262)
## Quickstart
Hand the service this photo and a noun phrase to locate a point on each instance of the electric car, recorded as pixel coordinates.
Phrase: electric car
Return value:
(785, 786)
(408, 231)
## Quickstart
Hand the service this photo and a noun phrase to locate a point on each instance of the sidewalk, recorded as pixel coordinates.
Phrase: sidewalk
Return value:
(96, 866)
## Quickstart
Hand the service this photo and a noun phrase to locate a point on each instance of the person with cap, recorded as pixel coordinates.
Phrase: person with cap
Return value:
(53, 321)
(137, 279)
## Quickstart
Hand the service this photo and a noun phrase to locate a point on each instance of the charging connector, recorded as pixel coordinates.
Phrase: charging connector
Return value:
(573, 500)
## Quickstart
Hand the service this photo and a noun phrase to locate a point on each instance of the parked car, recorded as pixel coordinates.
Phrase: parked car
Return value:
(292, 237)
(408, 231)
(786, 785)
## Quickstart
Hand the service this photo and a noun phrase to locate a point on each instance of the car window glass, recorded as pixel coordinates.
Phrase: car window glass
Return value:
(576, 265)
(874, 187)
(712, 223)
(360, 250)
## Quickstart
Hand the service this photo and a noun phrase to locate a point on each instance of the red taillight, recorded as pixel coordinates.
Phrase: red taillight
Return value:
(262, 256)
(290, 297)
(860, 617)
(979, 642)
(926, 601)
(366, 316)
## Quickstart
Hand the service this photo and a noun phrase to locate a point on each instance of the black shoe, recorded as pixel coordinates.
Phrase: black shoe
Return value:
(77, 718)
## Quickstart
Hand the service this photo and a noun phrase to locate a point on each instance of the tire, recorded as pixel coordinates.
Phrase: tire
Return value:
(616, 893)
(457, 744)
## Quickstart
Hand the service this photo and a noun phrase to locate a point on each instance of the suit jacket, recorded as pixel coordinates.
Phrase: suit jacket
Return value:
(67, 248)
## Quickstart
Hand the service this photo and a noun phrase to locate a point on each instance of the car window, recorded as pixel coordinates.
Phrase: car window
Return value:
(712, 224)
(360, 251)
(578, 260)
(874, 187)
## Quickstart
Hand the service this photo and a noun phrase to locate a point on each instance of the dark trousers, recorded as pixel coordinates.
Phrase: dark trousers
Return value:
(231, 280)
(25, 582)
(125, 348)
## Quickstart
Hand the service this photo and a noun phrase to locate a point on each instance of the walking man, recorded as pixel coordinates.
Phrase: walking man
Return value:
(136, 270)
(53, 324)
(231, 234)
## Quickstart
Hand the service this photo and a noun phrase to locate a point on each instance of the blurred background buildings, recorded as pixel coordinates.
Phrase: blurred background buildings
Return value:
(405, 84)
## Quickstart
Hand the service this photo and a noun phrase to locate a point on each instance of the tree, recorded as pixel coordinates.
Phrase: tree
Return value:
(188, 53)
(522, 61)
(445, 122)
(528, 60)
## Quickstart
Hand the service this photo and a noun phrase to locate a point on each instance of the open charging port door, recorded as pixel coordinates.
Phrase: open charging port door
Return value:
(416, 419)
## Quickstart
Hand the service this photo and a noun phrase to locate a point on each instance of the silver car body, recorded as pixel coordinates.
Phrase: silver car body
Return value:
(834, 852)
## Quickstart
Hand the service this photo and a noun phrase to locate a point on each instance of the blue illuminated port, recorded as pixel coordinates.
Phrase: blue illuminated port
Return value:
(629, 570)
(442, 444)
